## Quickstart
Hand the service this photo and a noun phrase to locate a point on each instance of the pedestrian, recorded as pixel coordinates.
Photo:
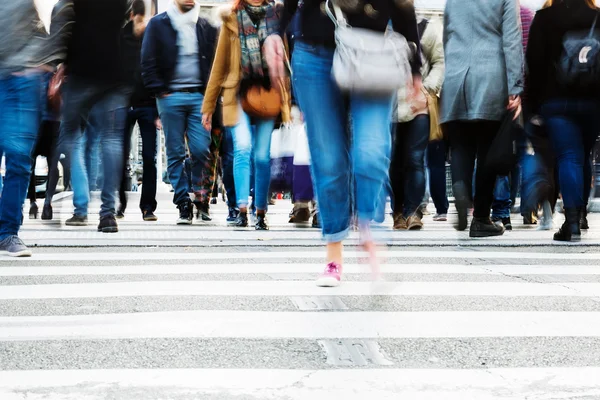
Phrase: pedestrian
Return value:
(142, 110)
(568, 103)
(25, 54)
(483, 79)
(177, 54)
(240, 69)
(342, 156)
(412, 132)
(96, 84)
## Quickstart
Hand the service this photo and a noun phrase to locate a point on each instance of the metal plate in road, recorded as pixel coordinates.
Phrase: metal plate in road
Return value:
(316, 303)
(353, 353)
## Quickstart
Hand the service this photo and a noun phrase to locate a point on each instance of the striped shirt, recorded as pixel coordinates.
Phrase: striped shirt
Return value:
(526, 20)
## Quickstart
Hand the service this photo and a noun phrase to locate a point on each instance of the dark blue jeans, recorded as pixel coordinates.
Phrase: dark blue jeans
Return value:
(227, 166)
(407, 172)
(20, 108)
(81, 97)
(573, 127)
(436, 158)
(502, 198)
(146, 119)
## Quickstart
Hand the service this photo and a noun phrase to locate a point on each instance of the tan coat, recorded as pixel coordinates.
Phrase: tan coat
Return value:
(226, 74)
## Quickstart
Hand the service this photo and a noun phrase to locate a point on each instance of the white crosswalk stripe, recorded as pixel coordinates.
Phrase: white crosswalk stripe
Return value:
(218, 324)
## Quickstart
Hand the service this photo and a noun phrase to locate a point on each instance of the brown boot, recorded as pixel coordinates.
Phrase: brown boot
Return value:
(400, 223)
(414, 223)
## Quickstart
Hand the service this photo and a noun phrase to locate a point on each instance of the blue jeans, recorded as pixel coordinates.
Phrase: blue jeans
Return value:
(338, 157)
(84, 164)
(181, 119)
(248, 141)
(227, 166)
(20, 108)
(436, 162)
(407, 171)
(573, 127)
(108, 106)
(502, 202)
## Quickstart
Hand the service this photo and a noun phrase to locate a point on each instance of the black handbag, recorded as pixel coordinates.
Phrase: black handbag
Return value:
(502, 156)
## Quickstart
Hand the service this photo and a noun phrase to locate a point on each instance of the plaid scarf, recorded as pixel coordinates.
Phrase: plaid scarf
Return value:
(255, 24)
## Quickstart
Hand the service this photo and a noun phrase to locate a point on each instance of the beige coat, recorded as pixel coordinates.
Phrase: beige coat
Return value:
(226, 74)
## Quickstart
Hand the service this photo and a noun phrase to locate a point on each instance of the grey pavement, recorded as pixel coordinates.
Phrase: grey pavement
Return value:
(165, 312)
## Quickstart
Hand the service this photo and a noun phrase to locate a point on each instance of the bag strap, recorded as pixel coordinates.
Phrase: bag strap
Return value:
(594, 25)
(338, 19)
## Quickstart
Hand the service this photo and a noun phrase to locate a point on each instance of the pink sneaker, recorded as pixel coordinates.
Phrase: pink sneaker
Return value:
(331, 277)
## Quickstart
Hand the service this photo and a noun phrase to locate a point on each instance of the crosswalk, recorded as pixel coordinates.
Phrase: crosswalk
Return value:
(249, 323)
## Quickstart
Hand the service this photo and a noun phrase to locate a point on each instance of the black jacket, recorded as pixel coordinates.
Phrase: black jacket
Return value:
(545, 48)
(132, 57)
(94, 49)
(159, 52)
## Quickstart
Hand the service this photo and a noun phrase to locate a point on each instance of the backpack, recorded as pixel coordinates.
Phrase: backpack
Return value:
(578, 68)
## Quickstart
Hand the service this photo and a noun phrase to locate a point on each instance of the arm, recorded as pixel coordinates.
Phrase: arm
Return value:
(150, 73)
(512, 43)
(404, 21)
(433, 48)
(219, 72)
(61, 27)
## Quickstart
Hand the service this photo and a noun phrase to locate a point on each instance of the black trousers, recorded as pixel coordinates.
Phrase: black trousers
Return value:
(470, 141)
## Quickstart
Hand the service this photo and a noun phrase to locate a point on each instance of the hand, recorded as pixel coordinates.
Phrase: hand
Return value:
(514, 104)
(274, 52)
(158, 124)
(207, 121)
(417, 86)
(419, 103)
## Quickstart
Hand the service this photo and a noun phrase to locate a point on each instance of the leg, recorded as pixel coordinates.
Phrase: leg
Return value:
(146, 121)
(463, 152)
(485, 180)
(242, 143)
(53, 161)
(415, 146)
(397, 172)
(262, 163)
(199, 141)
(20, 110)
(173, 116)
(502, 203)
(436, 152)
(132, 118)
(227, 162)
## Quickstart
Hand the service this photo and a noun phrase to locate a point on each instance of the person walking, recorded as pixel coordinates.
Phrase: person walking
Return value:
(568, 105)
(343, 159)
(25, 54)
(238, 69)
(177, 53)
(483, 79)
(412, 132)
(142, 111)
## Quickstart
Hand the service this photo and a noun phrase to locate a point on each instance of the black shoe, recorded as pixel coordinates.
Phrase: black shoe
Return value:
(504, 221)
(77, 220)
(261, 223)
(529, 219)
(149, 216)
(213, 200)
(584, 224)
(461, 196)
(570, 230)
(203, 211)
(484, 227)
(233, 214)
(108, 224)
(186, 213)
(120, 213)
(316, 223)
(47, 213)
(33, 211)
(241, 221)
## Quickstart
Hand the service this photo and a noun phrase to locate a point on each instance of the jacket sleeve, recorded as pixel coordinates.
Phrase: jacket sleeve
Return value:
(512, 43)
(154, 83)
(218, 73)
(433, 48)
(537, 63)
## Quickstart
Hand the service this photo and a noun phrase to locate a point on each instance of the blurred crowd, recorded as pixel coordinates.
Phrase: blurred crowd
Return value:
(385, 99)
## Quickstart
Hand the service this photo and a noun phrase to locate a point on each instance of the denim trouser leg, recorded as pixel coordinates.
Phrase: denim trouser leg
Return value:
(20, 108)
(247, 144)
(180, 112)
(408, 169)
(326, 117)
(146, 117)
(79, 175)
(227, 164)
(502, 202)
(436, 162)
(323, 106)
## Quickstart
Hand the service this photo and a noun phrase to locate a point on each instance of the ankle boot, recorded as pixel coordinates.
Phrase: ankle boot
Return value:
(584, 221)
(570, 230)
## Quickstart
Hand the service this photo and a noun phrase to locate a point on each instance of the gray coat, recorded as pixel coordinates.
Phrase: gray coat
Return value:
(484, 59)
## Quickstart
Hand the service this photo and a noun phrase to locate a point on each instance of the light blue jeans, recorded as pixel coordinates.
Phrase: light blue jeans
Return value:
(341, 155)
(181, 117)
(84, 164)
(246, 142)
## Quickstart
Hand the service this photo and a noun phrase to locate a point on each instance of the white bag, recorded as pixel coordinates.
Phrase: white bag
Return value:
(283, 142)
(367, 61)
(302, 152)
